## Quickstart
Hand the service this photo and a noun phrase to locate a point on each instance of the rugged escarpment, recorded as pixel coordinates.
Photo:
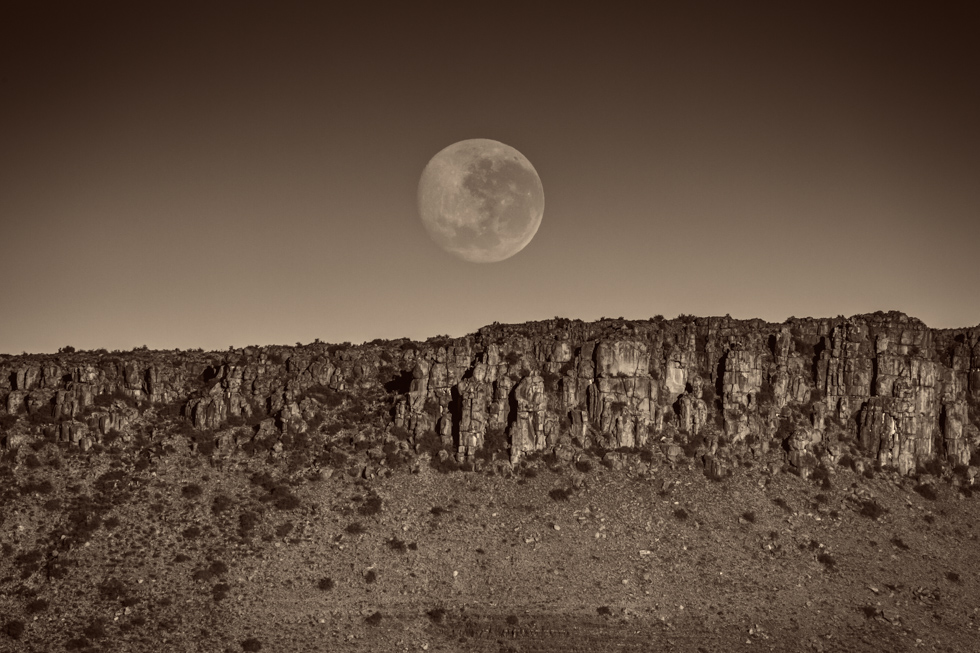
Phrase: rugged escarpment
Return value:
(880, 388)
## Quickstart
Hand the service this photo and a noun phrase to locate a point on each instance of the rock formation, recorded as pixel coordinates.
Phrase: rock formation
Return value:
(882, 384)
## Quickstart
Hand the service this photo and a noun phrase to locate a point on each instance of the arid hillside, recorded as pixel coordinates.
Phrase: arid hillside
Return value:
(698, 483)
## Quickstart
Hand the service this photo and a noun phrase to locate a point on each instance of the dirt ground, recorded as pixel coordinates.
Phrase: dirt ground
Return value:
(99, 555)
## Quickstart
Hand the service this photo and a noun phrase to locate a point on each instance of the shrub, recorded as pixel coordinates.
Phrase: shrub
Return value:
(325, 584)
(749, 516)
(35, 606)
(191, 491)
(32, 487)
(826, 560)
(872, 509)
(692, 445)
(952, 577)
(559, 494)
(583, 466)
(436, 615)
(95, 629)
(437, 510)
(221, 503)
(370, 576)
(927, 491)
(251, 645)
(396, 545)
(898, 543)
(220, 592)
(933, 467)
(283, 499)
(372, 506)
(373, 619)
(604, 611)
(680, 514)
(14, 629)
(495, 441)
(355, 528)
(247, 522)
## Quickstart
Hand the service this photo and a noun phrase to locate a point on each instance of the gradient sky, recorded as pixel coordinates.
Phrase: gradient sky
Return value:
(180, 175)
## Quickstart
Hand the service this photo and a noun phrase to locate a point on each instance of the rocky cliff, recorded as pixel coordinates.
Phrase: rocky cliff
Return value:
(879, 388)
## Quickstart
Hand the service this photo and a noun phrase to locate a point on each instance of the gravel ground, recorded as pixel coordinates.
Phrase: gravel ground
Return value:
(181, 556)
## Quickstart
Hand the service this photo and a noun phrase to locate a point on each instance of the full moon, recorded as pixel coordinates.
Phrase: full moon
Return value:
(481, 200)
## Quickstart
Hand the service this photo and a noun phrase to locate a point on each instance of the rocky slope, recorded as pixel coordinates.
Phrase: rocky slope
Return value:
(879, 388)
(688, 485)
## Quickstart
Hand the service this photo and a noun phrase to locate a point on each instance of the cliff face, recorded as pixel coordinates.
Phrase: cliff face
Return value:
(884, 386)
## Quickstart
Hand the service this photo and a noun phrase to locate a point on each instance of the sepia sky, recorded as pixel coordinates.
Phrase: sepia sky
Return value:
(186, 175)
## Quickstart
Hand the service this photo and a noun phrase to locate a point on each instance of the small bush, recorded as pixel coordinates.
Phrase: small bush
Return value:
(220, 592)
(247, 522)
(355, 528)
(325, 584)
(14, 629)
(370, 576)
(373, 619)
(251, 645)
(604, 611)
(822, 476)
(191, 491)
(926, 491)
(217, 568)
(952, 577)
(898, 543)
(872, 509)
(112, 589)
(826, 560)
(95, 629)
(221, 503)
(512, 620)
(559, 494)
(397, 545)
(583, 466)
(681, 514)
(436, 615)
(437, 511)
(372, 506)
(283, 499)
(35, 606)
(749, 516)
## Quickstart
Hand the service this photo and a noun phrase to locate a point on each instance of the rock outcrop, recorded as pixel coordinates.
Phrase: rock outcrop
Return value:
(883, 384)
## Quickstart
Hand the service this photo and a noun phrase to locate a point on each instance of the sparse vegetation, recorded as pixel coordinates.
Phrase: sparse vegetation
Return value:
(134, 525)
